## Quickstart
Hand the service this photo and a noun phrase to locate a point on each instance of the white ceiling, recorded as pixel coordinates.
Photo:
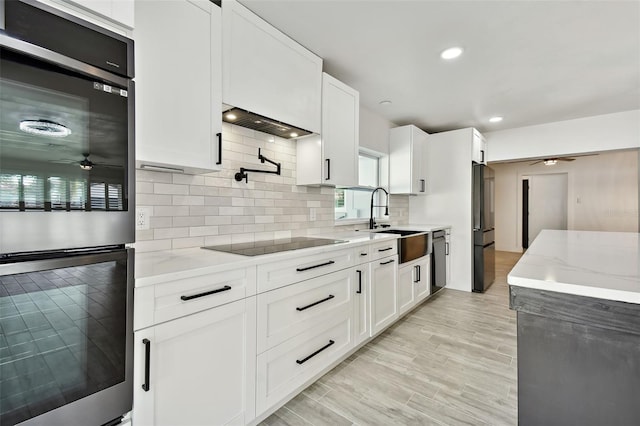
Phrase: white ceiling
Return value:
(530, 61)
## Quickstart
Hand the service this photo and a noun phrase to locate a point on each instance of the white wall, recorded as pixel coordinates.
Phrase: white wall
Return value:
(374, 131)
(591, 134)
(602, 194)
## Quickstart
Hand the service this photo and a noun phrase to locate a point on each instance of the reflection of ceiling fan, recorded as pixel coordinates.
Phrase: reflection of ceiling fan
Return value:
(85, 163)
(554, 160)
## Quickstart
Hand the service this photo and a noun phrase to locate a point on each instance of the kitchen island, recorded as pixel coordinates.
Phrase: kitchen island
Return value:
(577, 297)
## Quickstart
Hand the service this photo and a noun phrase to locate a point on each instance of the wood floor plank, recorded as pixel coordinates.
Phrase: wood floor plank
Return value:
(452, 361)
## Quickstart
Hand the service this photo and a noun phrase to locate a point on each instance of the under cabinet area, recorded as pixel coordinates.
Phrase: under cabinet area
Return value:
(198, 369)
(186, 138)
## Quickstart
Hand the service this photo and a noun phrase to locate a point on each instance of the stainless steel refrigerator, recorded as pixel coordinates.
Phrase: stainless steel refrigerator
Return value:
(484, 269)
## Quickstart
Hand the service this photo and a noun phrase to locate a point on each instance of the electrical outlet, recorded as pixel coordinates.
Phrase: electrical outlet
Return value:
(312, 214)
(142, 218)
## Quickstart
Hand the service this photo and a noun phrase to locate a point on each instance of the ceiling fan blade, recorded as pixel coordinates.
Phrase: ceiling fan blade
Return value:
(566, 159)
(536, 162)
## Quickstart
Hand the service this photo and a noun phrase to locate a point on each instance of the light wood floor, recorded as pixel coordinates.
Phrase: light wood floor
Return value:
(452, 361)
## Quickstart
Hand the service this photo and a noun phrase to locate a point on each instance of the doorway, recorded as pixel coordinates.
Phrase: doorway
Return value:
(544, 198)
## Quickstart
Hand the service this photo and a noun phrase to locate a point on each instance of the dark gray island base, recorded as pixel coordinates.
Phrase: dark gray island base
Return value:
(578, 359)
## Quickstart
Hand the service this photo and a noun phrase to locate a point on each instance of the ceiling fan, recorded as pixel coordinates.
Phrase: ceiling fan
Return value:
(85, 163)
(554, 160)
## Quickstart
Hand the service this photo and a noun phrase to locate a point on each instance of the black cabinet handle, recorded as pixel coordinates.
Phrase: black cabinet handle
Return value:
(147, 361)
(481, 153)
(359, 282)
(363, 254)
(417, 269)
(331, 262)
(446, 249)
(328, 160)
(422, 185)
(331, 296)
(387, 262)
(219, 135)
(206, 293)
(385, 249)
(305, 359)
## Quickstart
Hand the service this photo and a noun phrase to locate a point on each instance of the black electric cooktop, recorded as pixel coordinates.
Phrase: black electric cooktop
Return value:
(273, 246)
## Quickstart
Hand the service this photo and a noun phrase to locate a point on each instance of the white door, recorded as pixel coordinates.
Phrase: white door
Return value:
(200, 369)
(407, 275)
(422, 281)
(383, 293)
(547, 203)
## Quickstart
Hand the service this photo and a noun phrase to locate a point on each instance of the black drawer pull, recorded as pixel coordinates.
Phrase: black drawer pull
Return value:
(207, 293)
(303, 360)
(417, 271)
(359, 282)
(387, 262)
(331, 296)
(147, 360)
(385, 249)
(363, 254)
(331, 262)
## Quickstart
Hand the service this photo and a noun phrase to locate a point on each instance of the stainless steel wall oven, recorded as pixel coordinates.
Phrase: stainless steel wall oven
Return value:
(66, 214)
(66, 129)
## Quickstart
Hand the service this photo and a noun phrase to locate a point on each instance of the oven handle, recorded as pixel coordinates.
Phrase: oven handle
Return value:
(47, 55)
(62, 259)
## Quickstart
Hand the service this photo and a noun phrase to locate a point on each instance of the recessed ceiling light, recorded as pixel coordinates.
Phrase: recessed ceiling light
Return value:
(385, 102)
(231, 116)
(293, 134)
(495, 119)
(451, 53)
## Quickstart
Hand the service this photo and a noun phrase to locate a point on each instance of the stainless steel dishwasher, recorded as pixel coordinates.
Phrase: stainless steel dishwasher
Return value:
(438, 262)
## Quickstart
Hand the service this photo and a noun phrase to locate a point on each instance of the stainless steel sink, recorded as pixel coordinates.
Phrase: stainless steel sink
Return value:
(411, 244)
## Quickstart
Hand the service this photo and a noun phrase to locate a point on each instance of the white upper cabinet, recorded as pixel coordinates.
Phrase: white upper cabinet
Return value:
(178, 115)
(119, 11)
(479, 148)
(332, 158)
(268, 73)
(407, 171)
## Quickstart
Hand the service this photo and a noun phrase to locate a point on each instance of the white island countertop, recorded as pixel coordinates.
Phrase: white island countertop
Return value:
(603, 265)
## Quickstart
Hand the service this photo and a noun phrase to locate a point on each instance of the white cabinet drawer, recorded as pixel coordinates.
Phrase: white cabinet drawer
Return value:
(382, 249)
(289, 311)
(362, 254)
(288, 366)
(163, 302)
(278, 274)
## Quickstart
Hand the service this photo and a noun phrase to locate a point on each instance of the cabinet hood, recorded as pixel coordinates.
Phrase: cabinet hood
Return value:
(250, 120)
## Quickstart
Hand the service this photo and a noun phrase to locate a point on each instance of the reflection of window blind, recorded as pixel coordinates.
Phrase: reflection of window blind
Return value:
(115, 196)
(98, 201)
(33, 192)
(9, 190)
(58, 192)
(78, 190)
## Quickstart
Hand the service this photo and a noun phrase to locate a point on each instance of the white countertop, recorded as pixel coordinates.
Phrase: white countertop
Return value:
(168, 265)
(604, 265)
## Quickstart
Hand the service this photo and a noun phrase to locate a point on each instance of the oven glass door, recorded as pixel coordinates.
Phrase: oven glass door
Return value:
(64, 139)
(66, 331)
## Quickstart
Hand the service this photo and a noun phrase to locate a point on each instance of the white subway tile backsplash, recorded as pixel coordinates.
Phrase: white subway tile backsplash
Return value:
(214, 209)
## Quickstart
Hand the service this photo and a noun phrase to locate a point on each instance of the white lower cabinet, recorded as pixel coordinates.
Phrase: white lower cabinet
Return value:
(284, 369)
(361, 324)
(414, 283)
(407, 276)
(198, 369)
(383, 293)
